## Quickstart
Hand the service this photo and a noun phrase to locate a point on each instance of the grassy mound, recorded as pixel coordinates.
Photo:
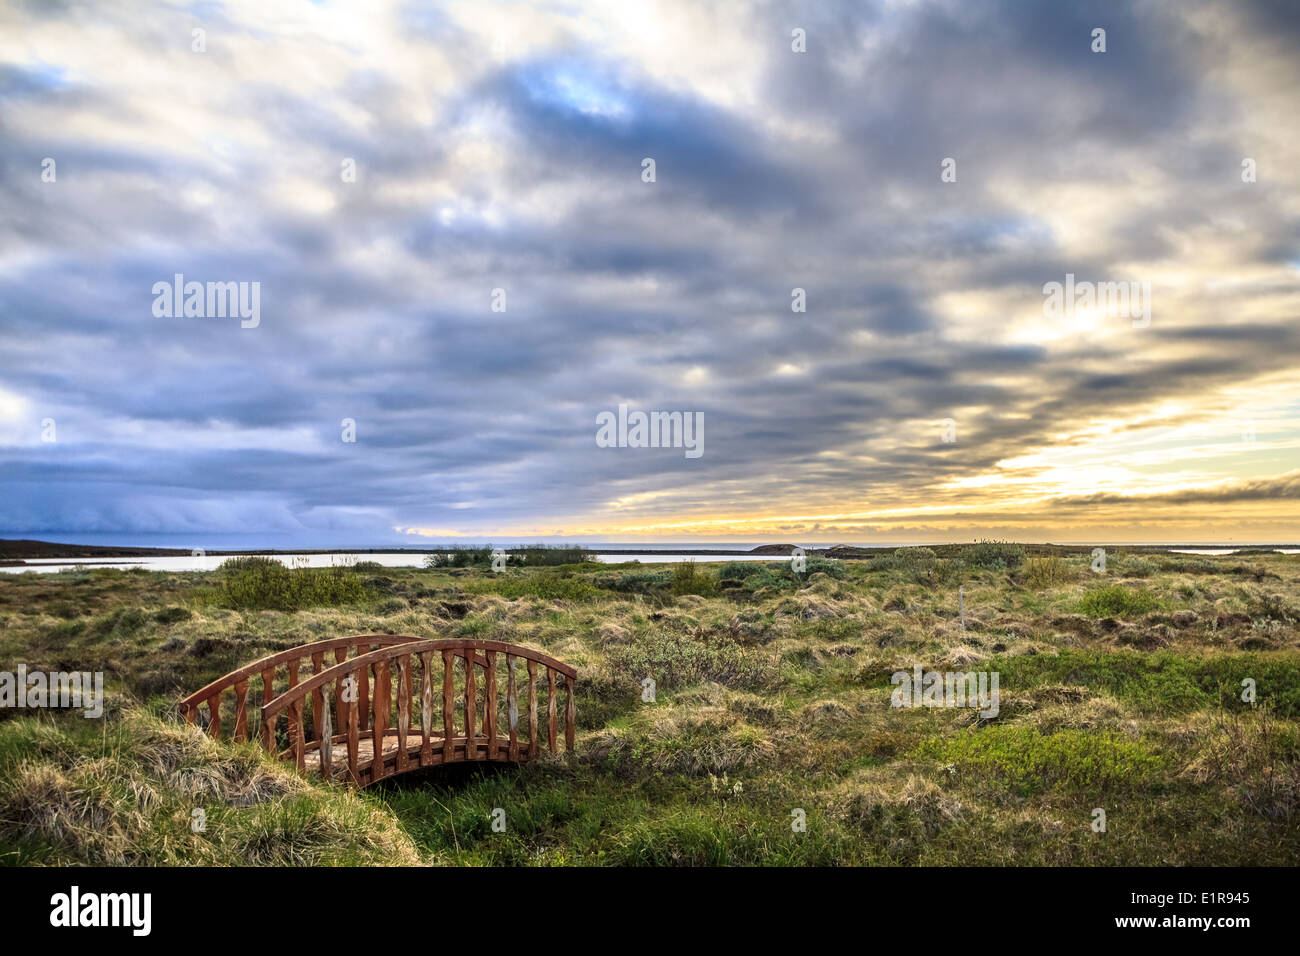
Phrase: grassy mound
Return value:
(136, 795)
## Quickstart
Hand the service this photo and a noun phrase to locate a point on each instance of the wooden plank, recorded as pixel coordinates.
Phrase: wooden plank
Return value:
(403, 709)
(448, 705)
(382, 707)
(214, 715)
(317, 698)
(512, 709)
(471, 746)
(532, 707)
(570, 713)
(426, 708)
(241, 711)
(550, 709)
(353, 734)
(490, 704)
(268, 692)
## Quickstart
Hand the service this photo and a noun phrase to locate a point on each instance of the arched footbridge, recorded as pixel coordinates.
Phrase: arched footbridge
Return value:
(351, 718)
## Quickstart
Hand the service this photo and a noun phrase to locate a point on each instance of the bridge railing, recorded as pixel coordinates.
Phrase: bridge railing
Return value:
(474, 737)
(282, 669)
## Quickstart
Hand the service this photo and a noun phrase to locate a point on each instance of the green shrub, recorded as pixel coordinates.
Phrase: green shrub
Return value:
(993, 555)
(1115, 600)
(1046, 572)
(687, 580)
(460, 557)
(267, 585)
(543, 555)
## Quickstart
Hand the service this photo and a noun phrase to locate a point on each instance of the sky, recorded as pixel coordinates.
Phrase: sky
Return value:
(462, 259)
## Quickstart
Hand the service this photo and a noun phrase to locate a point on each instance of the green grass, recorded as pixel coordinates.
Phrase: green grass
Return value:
(1065, 761)
(1116, 600)
(772, 696)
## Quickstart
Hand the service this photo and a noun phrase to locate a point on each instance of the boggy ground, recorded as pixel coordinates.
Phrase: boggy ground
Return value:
(1119, 691)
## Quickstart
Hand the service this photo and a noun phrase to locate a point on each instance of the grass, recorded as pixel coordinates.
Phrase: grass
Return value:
(1116, 600)
(1123, 692)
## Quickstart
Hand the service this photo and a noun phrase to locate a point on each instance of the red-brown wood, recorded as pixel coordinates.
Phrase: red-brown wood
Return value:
(550, 708)
(448, 706)
(512, 710)
(532, 707)
(381, 708)
(317, 698)
(363, 690)
(268, 692)
(383, 753)
(354, 736)
(471, 707)
(426, 708)
(214, 715)
(490, 704)
(570, 713)
(403, 711)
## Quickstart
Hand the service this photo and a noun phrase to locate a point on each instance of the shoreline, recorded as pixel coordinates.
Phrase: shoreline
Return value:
(22, 552)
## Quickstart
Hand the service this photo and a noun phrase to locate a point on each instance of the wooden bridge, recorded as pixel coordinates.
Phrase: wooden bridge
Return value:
(339, 720)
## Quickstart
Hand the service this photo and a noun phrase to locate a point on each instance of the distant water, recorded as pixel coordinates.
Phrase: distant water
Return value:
(408, 560)
(388, 560)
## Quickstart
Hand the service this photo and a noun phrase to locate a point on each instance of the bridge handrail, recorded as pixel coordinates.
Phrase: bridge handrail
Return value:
(273, 708)
(291, 700)
(211, 694)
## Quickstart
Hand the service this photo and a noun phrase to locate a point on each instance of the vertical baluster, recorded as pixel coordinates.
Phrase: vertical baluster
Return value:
(512, 709)
(471, 706)
(325, 749)
(214, 715)
(570, 714)
(317, 698)
(295, 717)
(490, 704)
(426, 708)
(268, 693)
(354, 740)
(533, 746)
(550, 709)
(363, 689)
(403, 709)
(340, 705)
(382, 708)
(448, 706)
(241, 711)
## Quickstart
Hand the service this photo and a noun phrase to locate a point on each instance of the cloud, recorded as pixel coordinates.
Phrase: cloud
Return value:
(499, 147)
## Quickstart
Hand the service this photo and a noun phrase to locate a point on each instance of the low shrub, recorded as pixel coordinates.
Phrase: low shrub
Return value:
(1115, 600)
(993, 555)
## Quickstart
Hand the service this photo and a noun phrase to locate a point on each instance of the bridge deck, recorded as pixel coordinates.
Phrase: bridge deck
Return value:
(416, 754)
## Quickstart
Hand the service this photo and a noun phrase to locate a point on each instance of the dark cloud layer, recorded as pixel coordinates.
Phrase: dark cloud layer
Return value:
(480, 170)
